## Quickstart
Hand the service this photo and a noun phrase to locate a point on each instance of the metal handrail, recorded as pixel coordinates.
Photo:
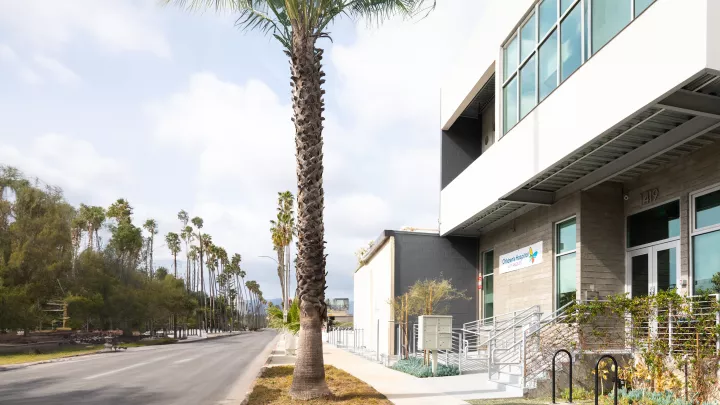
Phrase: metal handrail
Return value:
(489, 320)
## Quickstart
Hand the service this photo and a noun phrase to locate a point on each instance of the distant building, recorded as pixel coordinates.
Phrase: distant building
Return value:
(398, 259)
(339, 310)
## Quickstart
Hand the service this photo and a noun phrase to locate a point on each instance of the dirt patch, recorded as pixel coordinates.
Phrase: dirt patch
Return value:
(272, 387)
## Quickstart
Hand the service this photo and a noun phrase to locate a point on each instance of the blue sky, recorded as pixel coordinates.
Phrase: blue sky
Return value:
(172, 110)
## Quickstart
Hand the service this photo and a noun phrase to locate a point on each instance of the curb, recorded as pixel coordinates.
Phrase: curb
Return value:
(57, 360)
(268, 353)
(184, 342)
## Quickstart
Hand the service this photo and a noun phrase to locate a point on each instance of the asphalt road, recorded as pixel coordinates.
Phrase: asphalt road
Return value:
(217, 371)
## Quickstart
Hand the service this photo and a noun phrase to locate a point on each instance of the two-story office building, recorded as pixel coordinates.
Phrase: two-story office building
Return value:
(584, 154)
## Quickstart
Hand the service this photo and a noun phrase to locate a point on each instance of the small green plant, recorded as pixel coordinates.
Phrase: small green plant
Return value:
(414, 366)
(579, 393)
(275, 316)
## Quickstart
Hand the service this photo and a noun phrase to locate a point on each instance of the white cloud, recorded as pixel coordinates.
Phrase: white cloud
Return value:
(29, 71)
(115, 26)
(59, 72)
(73, 164)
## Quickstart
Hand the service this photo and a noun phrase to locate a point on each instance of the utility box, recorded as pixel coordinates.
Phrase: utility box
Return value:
(435, 332)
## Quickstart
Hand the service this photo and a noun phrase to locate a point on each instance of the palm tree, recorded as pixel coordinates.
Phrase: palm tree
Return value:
(281, 231)
(187, 236)
(297, 25)
(198, 222)
(151, 226)
(173, 243)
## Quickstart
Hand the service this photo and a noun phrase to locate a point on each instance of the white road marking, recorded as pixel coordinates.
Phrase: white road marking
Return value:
(125, 368)
(186, 360)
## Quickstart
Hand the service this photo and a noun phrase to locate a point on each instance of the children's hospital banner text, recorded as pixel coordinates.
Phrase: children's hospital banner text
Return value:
(521, 258)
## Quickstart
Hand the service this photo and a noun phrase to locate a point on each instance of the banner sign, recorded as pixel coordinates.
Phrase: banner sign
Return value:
(521, 258)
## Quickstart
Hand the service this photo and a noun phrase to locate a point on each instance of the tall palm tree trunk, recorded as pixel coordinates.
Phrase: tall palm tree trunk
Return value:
(308, 105)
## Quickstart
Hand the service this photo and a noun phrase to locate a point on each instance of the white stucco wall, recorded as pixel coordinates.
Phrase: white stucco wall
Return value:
(494, 24)
(373, 286)
(653, 56)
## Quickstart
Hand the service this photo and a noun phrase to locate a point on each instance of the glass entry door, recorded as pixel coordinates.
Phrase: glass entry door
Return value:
(653, 269)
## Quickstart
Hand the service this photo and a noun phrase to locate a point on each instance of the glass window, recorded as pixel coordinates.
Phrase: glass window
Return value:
(706, 259)
(641, 5)
(528, 40)
(666, 264)
(511, 57)
(608, 18)
(570, 44)
(707, 210)
(488, 299)
(640, 268)
(653, 225)
(586, 31)
(548, 66)
(527, 87)
(510, 100)
(488, 295)
(547, 16)
(566, 286)
(566, 236)
(488, 264)
(564, 4)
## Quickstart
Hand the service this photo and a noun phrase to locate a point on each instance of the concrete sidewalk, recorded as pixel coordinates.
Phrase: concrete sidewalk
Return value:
(400, 388)
(404, 389)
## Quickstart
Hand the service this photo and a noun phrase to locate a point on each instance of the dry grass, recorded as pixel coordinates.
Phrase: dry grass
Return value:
(60, 352)
(523, 401)
(273, 386)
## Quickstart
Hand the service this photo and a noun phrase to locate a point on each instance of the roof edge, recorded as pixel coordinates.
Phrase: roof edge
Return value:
(484, 78)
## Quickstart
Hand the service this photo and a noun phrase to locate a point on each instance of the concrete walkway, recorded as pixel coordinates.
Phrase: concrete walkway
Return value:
(404, 389)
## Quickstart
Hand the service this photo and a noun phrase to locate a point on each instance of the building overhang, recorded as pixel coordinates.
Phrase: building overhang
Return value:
(617, 117)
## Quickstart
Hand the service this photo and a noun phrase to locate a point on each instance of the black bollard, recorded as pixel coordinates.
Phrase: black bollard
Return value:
(570, 385)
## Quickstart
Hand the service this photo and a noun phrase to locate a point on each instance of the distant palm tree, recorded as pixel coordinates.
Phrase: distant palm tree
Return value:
(151, 226)
(297, 25)
(282, 230)
(198, 223)
(173, 243)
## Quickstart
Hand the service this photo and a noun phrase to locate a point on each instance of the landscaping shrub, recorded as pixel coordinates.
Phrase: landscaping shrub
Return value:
(414, 366)
(645, 397)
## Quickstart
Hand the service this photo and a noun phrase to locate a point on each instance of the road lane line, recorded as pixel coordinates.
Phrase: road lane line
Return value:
(186, 360)
(125, 368)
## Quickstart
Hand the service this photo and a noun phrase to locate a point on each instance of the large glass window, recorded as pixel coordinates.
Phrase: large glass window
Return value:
(706, 259)
(654, 224)
(707, 210)
(510, 107)
(510, 61)
(705, 239)
(548, 66)
(528, 96)
(488, 298)
(528, 40)
(548, 15)
(560, 35)
(608, 18)
(641, 5)
(565, 257)
(570, 43)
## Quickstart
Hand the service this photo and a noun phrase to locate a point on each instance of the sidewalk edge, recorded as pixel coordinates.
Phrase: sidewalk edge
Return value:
(267, 352)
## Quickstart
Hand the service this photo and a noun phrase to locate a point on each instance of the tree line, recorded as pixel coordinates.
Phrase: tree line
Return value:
(51, 251)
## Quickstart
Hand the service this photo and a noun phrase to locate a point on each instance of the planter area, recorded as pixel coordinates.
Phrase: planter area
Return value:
(414, 366)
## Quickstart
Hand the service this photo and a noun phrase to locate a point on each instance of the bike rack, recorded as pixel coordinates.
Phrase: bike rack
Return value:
(597, 377)
(570, 384)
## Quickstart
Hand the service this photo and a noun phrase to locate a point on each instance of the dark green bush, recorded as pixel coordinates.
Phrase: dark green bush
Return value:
(414, 366)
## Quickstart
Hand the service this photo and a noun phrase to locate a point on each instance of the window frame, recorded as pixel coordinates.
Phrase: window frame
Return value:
(693, 231)
(557, 256)
(646, 208)
(586, 51)
(483, 275)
